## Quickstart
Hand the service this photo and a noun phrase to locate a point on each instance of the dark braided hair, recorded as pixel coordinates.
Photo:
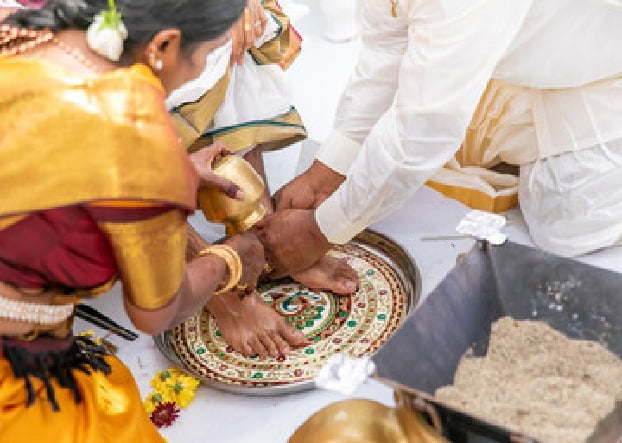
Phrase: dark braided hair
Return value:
(198, 20)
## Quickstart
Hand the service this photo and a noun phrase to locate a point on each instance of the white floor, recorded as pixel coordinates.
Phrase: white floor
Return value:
(316, 80)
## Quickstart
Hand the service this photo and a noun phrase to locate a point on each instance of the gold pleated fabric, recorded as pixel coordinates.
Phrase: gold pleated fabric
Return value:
(501, 130)
(110, 411)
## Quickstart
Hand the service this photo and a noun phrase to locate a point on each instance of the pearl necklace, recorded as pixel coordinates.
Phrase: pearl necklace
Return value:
(15, 41)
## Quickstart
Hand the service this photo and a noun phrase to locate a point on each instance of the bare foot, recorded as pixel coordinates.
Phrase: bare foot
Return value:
(330, 273)
(252, 327)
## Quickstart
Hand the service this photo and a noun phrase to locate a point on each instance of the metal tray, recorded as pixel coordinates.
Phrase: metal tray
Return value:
(373, 242)
(488, 283)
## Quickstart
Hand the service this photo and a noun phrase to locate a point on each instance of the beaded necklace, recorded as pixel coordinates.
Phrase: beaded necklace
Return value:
(15, 41)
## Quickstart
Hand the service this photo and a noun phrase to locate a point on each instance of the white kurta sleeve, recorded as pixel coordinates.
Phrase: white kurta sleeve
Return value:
(453, 48)
(371, 87)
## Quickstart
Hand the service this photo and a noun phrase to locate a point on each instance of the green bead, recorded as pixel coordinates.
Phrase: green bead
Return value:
(382, 316)
(351, 323)
(309, 351)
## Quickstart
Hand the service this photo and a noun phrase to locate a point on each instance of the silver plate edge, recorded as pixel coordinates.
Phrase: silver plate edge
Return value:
(386, 248)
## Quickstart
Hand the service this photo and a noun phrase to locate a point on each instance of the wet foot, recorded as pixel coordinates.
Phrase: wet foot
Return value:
(330, 273)
(252, 327)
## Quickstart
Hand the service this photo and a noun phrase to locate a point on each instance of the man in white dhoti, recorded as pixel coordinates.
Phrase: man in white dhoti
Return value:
(471, 85)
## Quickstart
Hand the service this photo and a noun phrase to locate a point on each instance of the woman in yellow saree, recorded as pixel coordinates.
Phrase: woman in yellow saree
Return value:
(96, 188)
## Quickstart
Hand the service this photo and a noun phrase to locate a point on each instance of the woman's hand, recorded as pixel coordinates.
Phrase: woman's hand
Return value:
(247, 30)
(203, 160)
(251, 252)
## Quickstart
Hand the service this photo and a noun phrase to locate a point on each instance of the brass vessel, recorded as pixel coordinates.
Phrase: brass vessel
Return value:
(367, 421)
(236, 215)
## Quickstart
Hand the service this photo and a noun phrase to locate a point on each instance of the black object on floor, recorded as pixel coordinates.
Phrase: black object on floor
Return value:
(96, 318)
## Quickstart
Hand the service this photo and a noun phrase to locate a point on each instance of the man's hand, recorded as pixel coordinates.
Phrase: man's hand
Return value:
(292, 240)
(310, 189)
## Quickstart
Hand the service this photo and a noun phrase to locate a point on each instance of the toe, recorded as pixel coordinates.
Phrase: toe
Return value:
(270, 345)
(290, 334)
(344, 287)
(346, 280)
(258, 347)
(245, 349)
(280, 343)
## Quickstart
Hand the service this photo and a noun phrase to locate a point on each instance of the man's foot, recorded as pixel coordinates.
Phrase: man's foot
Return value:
(330, 273)
(252, 327)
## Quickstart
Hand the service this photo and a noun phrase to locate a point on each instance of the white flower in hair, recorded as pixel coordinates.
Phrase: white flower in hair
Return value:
(107, 33)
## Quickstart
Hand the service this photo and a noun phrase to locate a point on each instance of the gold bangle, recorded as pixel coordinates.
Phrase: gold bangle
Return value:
(231, 257)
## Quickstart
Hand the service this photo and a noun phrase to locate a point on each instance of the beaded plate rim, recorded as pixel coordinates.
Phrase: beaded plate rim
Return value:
(379, 245)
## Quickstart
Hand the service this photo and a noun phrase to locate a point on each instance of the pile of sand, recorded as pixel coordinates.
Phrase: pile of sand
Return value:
(538, 381)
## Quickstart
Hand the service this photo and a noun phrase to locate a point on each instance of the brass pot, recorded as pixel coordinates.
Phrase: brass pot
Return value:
(367, 421)
(237, 215)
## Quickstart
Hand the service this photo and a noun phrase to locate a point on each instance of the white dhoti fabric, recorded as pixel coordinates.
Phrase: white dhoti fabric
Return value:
(570, 193)
(572, 202)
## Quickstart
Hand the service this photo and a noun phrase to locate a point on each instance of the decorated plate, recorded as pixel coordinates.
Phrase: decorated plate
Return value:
(355, 325)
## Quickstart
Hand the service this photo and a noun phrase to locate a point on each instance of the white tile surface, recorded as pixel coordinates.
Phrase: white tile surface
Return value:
(316, 81)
